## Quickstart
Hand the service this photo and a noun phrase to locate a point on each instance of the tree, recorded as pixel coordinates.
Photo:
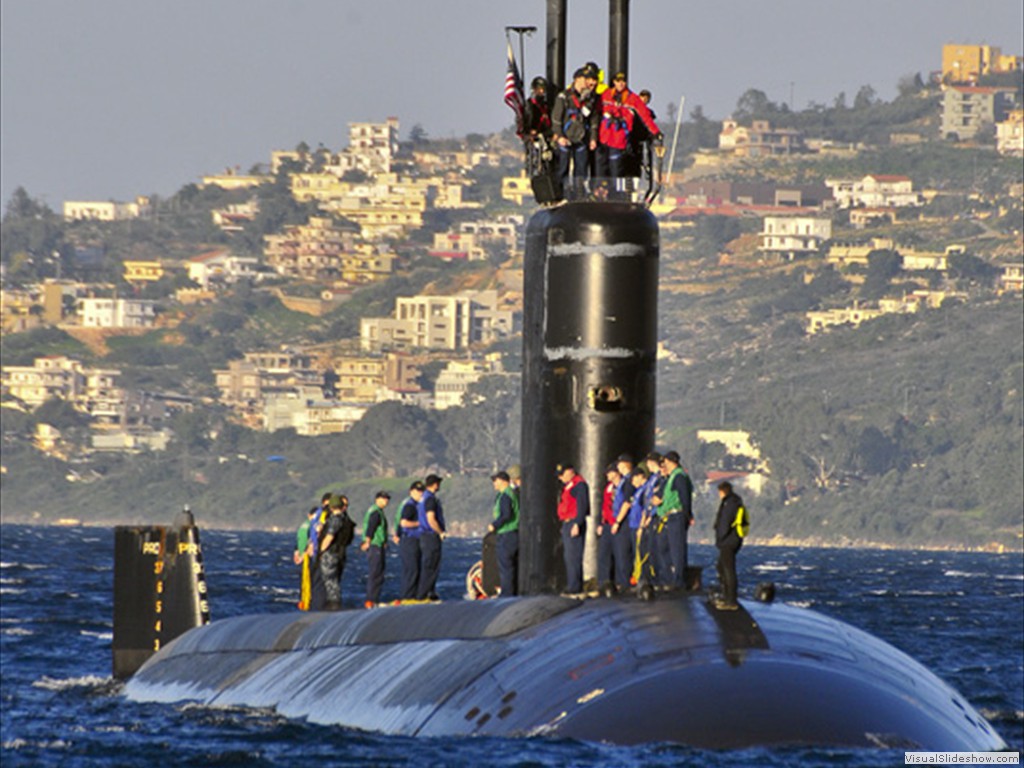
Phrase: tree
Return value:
(753, 103)
(883, 266)
(865, 97)
(417, 135)
(395, 439)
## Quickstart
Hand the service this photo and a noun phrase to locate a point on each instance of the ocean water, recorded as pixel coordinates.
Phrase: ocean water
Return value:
(960, 614)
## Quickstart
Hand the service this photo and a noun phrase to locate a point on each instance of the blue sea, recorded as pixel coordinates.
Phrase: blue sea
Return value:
(961, 614)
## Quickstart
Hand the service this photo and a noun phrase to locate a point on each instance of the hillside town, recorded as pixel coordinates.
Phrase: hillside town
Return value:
(426, 238)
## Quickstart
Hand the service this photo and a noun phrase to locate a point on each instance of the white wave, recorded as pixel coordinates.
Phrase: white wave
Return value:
(11, 591)
(12, 581)
(26, 566)
(18, 632)
(22, 744)
(771, 567)
(88, 681)
(100, 635)
(800, 603)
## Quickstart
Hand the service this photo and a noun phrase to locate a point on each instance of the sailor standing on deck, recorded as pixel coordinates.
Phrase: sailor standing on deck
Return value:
(375, 545)
(731, 527)
(675, 507)
(432, 532)
(407, 536)
(573, 508)
(624, 542)
(606, 558)
(506, 525)
(337, 535)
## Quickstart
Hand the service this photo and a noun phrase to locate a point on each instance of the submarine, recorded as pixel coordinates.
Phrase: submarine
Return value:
(626, 669)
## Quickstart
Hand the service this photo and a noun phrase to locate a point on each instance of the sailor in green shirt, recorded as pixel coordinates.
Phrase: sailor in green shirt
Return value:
(675, 506)
(375, 545)
(506, 524)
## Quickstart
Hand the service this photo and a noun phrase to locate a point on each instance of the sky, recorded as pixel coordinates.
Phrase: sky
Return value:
(110, 99)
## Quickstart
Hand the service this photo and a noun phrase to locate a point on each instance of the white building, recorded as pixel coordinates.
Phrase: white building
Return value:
(310, 416)
(791, 236)
(875, 191)
(439, 322)
(1010, 134)
(454, 381)
(105, 210)
(61, 378)
(221, 266)
(117, 313)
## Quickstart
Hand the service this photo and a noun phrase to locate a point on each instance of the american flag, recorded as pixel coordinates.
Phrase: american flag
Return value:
(514, 90)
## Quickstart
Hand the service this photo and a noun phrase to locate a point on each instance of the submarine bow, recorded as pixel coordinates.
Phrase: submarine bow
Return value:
(622, 671)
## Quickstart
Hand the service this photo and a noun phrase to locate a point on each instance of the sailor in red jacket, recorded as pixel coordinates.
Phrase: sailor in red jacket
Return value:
(620, 108)
(573, 508)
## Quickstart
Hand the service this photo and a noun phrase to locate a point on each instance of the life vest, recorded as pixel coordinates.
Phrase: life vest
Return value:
(408, 511)
(513, 525)
(670, 499)
(742, 522)
(622, 493)
(380, 535)
(567, 502)
(540, 116)
(608, 505)
(616, 119)
(421, 510)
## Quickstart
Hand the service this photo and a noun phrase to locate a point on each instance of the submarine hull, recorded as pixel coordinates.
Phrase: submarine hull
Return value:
(614, 670)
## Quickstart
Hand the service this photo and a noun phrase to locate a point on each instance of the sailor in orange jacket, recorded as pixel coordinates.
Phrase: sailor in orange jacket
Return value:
(620, 108)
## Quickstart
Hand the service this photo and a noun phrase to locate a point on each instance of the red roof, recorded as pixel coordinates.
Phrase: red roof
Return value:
(209, 255)
(883, 177)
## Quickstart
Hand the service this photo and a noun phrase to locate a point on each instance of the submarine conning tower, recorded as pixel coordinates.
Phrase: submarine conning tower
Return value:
(590, 323)
(590, 320)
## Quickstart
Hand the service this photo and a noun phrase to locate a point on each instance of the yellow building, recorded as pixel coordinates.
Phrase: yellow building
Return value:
(966, 63)
(516, 189)
(143, 271)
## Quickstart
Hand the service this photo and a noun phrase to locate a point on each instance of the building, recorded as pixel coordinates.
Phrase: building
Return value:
(439, 322)
(475, 240)
(233, 218)
(759, 140)
(1010, 134)
(109, 210)
(247, 382)
(453, 382)
(516, 189)
(310, 416)
(232, 179)
(143, 271)
(791, 236)
(366, 379)
(875, 191)
(117, 313)
(965, 63)
(713, 192)
(310, 251)
(221, 266)
(855, 315)
(966, 109)
(61, 378)
(1011, 279)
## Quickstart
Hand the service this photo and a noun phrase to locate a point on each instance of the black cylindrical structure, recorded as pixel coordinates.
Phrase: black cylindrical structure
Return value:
(555, 63)
(589, 352)
(618, 37)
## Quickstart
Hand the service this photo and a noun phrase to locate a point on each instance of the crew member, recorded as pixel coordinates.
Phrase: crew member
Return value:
(407, 536)
(375, 545)
(301, 557)
(432, 531)
(620, 108)
(506, 525)
(639, 522)
(658, 542)
(317, 593)
(337, 535)
(640, 141)
(675, 508)
(606, 560)
(731, 527)
(574, 128)
(624, 543)
(573, 508)
(537, 111)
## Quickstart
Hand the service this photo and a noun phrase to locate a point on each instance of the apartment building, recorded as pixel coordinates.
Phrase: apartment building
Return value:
(454, 381)
(139, 272)
(967, 108)
(792, 236)
(311, 251)
(439, 322)
(759, 140)
(965, 63)
(221, 266)
(117, 313)
(62, 378)
(875, 191)
(248, 381)
(1010, 134)
(106, 210)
